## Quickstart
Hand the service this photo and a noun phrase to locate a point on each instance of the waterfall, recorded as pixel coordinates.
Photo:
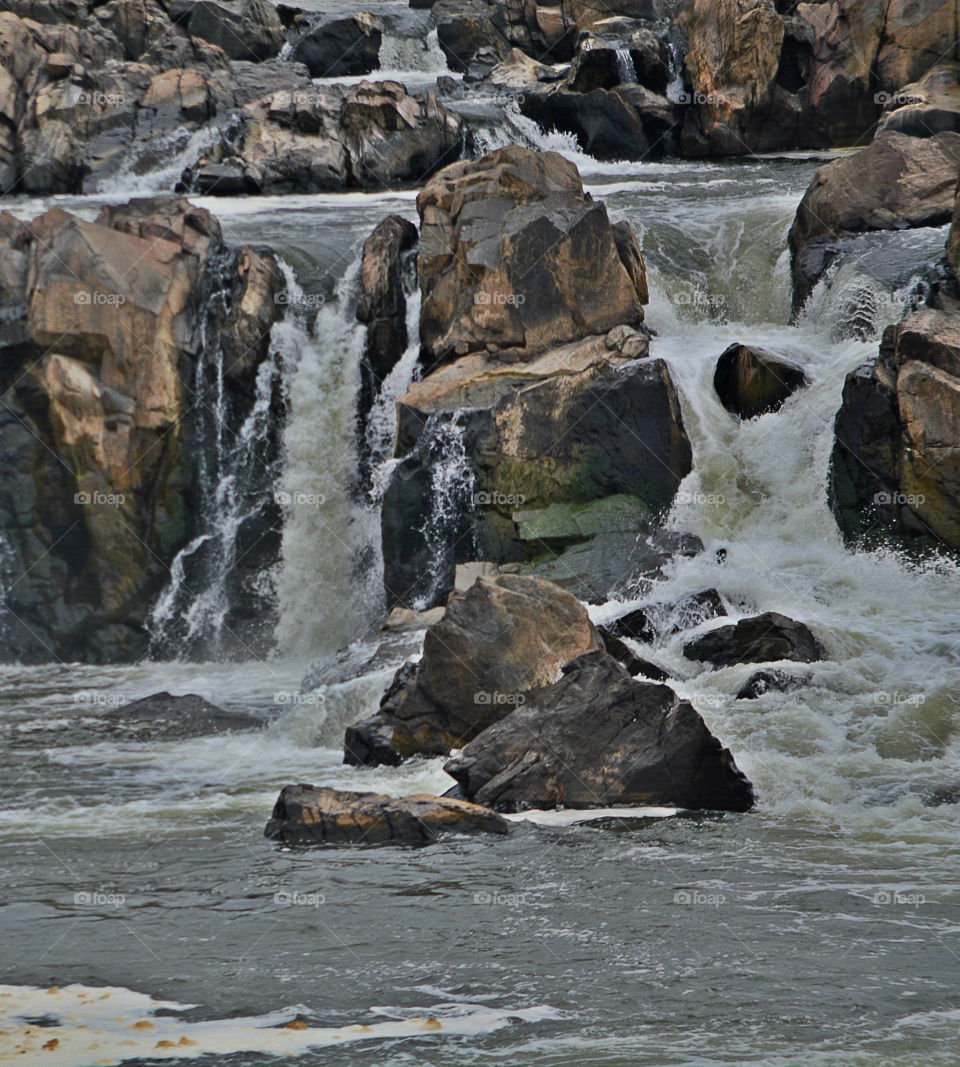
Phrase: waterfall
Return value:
(625, 67)
(402, 54)
(157, 164)
(674, 69)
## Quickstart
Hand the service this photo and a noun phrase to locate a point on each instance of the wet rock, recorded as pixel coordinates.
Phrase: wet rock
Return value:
(165, 717)
(499, 640)
(665, 618)
(598, 738)
(926, 107)
(514, 255)
(894, 466)
(628, 659)
(768, 682)
(751, 381)
(103, 323)
(761, 639)
(341, 47)
(306, 814)
(244, 29)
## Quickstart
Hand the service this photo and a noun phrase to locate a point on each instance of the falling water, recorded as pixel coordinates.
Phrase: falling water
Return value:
(625, 67)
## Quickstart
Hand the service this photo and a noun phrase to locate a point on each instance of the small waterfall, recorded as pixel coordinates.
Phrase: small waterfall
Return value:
(846, 304)
(330, 582)
(674, 69)
(625, 67)
(156, 165)
(401, 54)
(192, 617)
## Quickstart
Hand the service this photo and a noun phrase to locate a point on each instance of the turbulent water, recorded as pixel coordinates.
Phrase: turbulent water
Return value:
(821, 928)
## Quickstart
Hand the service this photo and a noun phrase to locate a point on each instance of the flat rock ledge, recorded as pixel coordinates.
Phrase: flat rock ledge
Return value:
(317, 815)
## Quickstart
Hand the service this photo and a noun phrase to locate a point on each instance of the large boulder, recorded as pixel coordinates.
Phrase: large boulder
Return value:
(306, 814)
(515, 256)
(894, 468)
(244, 29)
(751, 381)
(103, 326)
(761, 639)
(165, 717)
(499, 640)
(597, 738)
(341, 47)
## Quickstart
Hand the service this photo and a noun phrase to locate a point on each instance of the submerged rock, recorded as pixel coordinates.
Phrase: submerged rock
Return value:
(768, 682)
(761, 639)
(751, 381)
(164, 717)
(664, 618)
(498, 640)
(306, 814)
(597, 738)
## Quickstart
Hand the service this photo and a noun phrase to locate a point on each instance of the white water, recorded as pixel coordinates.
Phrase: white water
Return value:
(157, 164)
(628, 73)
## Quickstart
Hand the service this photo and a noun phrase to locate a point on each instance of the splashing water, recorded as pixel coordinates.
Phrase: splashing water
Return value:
(156, 165)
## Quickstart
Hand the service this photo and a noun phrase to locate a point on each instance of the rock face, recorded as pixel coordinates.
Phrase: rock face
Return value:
(896, 459)
(249, 30)
(529, 409)
(101, 335)
(762, 639)
(499, 640)
(514, 255)
(341, 47)
(306, 814)
(752, 382)
(598, 738)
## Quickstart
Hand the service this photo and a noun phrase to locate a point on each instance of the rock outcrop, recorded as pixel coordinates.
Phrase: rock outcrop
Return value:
(499, 640)
(751, 381)
(306, 815)
(539, 396)
(102, 327)
(341, 47)
(761, 639)
(597, 738)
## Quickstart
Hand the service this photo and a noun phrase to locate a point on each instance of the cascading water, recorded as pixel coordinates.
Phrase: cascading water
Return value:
(156, 165)
(422, 54)
(625, 67)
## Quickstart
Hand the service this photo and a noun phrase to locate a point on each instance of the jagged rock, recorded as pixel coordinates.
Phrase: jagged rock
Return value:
(101, 331)
(895, 183)
(165, 717)
(895, 466)
(628, 659)
(519, 71)
(768, 682)
(751, 381)
(244, 29)
(927, 107)
(598, 738)
(341, 47)
(667, 617)
(306, 814)
(761, 639)
(499, 640)
(514, 255)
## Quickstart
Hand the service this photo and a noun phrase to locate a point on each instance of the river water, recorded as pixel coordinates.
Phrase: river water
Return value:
(824, 927)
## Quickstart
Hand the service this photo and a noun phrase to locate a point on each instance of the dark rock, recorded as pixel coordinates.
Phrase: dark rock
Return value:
(628, 659)
(164, 717)
(598, 738)
(306, 814)
(761, 639)
(768, 682)
(498, 640)
(664, 618)
(341, 47)
(751, 381)
(244, 29)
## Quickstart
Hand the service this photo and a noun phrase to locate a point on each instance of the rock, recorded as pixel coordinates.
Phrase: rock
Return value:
(751, 381)
(539, 444)
(341, 47)
(665, 618)
(497, 641)
(768, 682)
(953, 241)
(895, 183)
(306, 814)
(469, 37)
(761, 639)
(897, 436)
(102, 327)
(628, 659)
(927, 107)
(402, 619)
(519, 71)
(250, 29)
(514, 255)
(598, 738)
(164, 717)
